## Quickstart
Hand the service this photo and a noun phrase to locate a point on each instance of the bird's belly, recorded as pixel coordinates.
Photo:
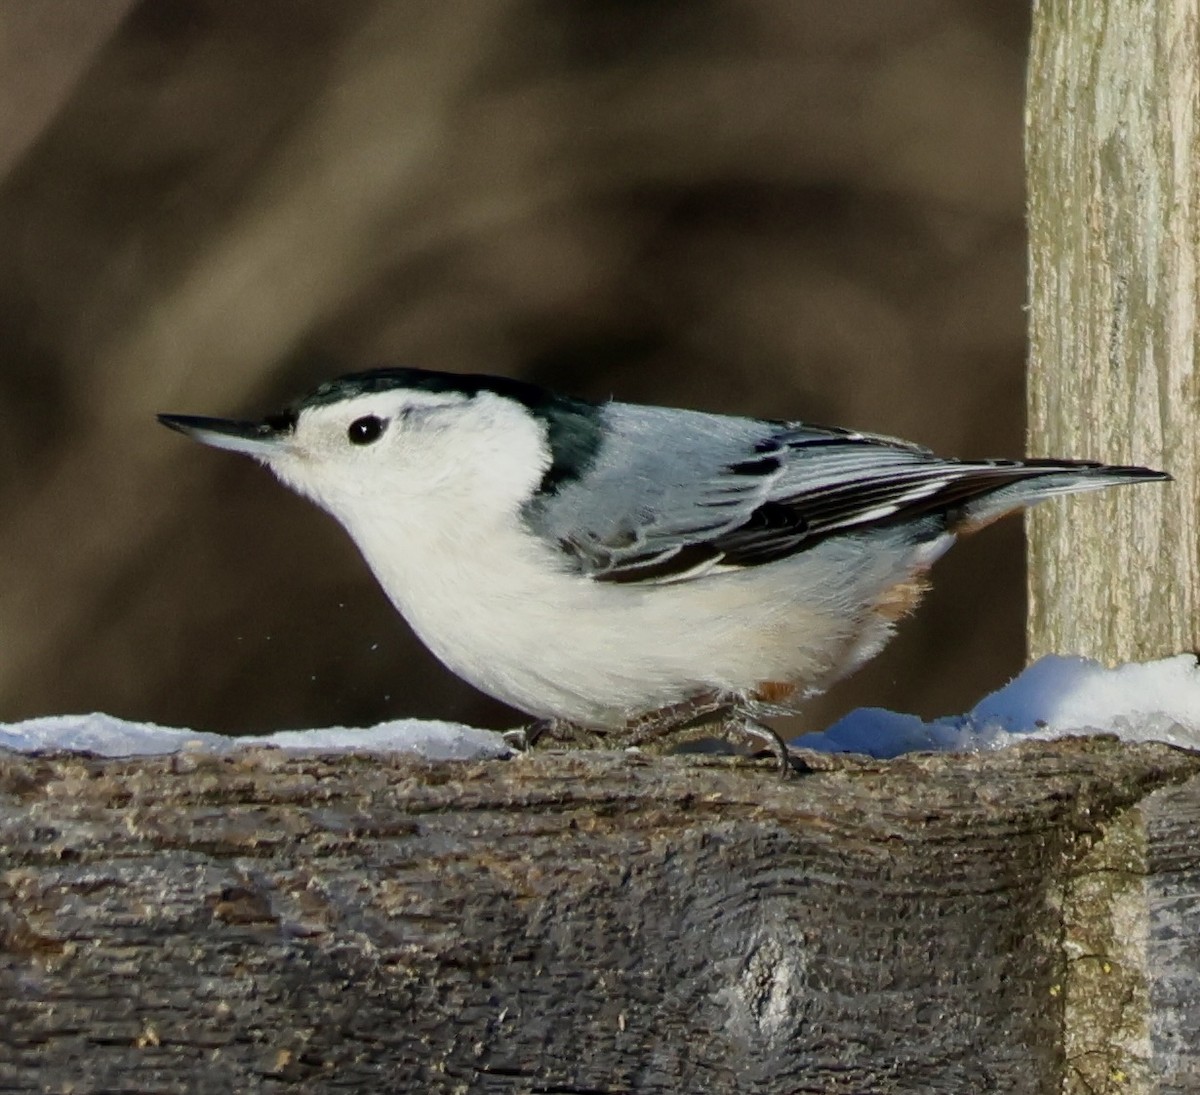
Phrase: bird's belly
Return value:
(558, 644)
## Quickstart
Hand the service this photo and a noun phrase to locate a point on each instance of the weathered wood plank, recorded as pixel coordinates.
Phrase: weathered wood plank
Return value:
(1171, 819)
(590, 922)
(1113, 167)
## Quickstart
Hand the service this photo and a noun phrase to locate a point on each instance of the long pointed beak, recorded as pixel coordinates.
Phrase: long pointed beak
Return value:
(258, 439)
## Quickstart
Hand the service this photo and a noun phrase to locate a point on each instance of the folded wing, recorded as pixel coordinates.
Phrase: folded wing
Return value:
(675, 496)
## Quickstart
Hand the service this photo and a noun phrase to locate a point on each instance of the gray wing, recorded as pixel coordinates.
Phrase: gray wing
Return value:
(674, 494)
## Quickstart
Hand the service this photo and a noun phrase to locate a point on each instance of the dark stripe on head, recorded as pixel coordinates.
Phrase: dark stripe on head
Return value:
(573, 429)
(283, 422)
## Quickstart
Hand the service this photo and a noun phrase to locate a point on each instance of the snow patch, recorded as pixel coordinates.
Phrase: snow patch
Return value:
(112, 737)
(1054, 697)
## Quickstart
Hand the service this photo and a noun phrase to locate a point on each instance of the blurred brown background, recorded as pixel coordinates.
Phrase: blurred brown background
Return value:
(793, 208)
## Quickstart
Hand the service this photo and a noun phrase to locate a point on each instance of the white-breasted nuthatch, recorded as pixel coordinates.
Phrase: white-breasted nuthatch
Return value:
(632, 569)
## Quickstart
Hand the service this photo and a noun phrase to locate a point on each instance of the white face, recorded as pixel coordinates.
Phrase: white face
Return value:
(406, 454)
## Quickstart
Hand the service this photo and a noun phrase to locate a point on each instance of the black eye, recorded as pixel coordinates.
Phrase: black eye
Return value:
(364, 430)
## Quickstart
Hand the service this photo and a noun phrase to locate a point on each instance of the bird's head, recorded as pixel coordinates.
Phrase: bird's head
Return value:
(400, 444)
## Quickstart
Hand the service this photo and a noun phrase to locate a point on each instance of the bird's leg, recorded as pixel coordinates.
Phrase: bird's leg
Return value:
(674, 720)
(705, 716)
(643, 730)
(700, 717)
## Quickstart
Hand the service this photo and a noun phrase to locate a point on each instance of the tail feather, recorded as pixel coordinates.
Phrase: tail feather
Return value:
(1035, 480)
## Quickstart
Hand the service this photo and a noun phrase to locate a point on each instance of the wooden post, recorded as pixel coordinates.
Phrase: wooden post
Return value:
(1013, 921)
(1113, 145)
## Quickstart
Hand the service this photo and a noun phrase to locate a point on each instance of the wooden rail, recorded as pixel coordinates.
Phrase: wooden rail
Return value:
(601, 923)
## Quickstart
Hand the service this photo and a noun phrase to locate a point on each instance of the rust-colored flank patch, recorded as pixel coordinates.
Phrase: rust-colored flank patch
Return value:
(775, 692)
(903, 597)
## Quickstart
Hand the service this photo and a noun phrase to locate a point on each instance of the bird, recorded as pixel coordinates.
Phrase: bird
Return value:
(629, 572)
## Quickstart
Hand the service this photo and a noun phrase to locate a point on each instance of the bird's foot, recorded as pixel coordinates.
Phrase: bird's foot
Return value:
(759, 736)
(559, 731)
(520, 739)
(706, 717)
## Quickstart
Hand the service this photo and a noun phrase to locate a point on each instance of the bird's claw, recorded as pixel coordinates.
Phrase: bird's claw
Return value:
(517, 740)
(759, 734)
(734, 725)
(525, 738)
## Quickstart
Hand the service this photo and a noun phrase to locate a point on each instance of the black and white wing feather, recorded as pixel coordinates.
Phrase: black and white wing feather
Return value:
(674, 495)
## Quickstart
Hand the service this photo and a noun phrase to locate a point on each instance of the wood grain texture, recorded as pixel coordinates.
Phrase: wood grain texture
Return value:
(567, 923)
(1113, 158)
(1171, 821)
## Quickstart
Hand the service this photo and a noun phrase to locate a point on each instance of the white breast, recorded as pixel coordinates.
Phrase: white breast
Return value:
(509, 615)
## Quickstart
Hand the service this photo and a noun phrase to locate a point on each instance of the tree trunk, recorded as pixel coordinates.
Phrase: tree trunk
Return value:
(1113, 144)
(601, 923)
